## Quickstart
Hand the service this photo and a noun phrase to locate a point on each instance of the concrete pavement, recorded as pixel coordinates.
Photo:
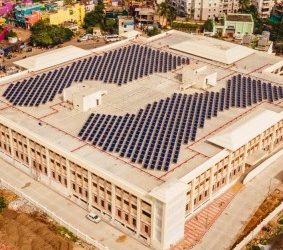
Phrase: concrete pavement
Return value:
(103, 232)
(224, 231)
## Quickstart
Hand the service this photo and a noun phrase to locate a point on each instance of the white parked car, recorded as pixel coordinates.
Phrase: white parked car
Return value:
(93, 217)
(85, 37)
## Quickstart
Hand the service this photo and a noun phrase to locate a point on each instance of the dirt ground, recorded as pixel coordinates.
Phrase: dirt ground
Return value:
(267, 206)
(22, 231)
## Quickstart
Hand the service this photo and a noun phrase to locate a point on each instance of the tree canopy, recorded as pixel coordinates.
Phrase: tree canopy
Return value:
(45, 35)
(208, 25)
(258, 23)
(167, 11)
(96, 17)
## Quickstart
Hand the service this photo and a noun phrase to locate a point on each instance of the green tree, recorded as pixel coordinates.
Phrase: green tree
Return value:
(162, 10)
(244, 5)
(153, 32)
(208, 25)
(2, 203)
(96, 17)
(167, 11)
(258, 22)
(45, 35)
(11, 33)
(171, 14)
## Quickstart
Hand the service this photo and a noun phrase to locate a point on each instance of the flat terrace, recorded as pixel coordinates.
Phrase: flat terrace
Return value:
(61, 125)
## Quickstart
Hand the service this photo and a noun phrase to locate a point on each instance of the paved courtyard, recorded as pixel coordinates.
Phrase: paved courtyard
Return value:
(224, 231)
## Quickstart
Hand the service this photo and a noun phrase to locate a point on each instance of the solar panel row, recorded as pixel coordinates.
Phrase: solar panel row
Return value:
(118, 66)
(153, 136)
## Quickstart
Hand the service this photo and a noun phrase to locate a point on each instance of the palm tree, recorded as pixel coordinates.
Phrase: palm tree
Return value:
(171, 14)
(167, 11)
(163, 10)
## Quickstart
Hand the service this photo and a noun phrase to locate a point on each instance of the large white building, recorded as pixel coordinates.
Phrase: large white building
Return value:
(147, 155)
(264, 7)
(203, 10)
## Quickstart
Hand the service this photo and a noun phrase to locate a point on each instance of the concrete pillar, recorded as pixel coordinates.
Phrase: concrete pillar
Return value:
(244, 159)
(68, 176)
(138, 215)
(229, 168)
(48, 165)
(89, 182)
(211, 181)
(11, 143)
(191, 208)
(29, 154)
(113, 201)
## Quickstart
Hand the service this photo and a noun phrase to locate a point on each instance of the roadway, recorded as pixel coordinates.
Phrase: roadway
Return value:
(71, 213)
(223, 233)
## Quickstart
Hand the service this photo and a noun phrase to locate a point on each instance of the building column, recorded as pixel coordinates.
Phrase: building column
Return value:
(260, 144)
(191, 208)
(113, 202)
(29, 154)
(11, 143)
(271, 147)
(89, 190)
(138, 215)
(211, 181)
(228, 168)
(244, 158)
(48, 165)
(152, 222)
(68, 176)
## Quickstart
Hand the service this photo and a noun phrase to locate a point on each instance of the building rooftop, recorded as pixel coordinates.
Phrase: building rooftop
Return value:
(58, 125)
(239, 17)
(52, 58)
(213, 49)
(241, 132)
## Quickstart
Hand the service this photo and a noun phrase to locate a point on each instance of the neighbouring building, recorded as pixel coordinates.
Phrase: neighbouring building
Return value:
(74, 13)
(277, 13)
(264, 7)
(235, 25)
(6, 8)
(22, 13)
(203, 10)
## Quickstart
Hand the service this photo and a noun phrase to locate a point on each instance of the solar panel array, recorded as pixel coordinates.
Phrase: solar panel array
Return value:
(153, 137)
(118, 66)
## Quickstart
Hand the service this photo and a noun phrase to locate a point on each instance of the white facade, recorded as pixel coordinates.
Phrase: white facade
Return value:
(203, 10)
(83, 97)
(264, 7)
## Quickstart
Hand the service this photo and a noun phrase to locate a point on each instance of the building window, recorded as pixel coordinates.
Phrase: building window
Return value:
(146, 214)
(80, 190)
(126, 217)
(119, 213)
(74, 186)
(102, 203)
(109, 207)
(134, 222)
(146, 229)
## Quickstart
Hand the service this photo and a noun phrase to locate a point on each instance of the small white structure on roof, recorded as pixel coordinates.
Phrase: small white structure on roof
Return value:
(83, 96)
(212, 49)
(201, 77)
(52, 58)
(244, 130)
